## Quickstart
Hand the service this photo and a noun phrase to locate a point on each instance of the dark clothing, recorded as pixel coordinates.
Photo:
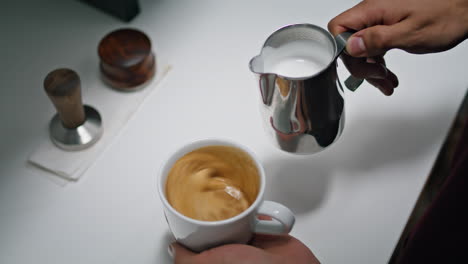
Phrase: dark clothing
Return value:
(440, 236)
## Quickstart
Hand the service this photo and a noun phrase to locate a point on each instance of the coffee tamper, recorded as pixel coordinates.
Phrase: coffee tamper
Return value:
(74, 127)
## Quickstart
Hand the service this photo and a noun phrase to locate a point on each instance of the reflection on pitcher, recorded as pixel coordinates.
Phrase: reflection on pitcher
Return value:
(302, 98)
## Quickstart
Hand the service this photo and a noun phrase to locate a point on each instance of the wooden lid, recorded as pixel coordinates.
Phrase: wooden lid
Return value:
(126, 58)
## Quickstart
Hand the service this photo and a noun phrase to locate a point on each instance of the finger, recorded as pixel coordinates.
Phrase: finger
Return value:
(286, 246)
(366, 14)
(264, 217)
(269, 241)
(392, 78)
(390, 75)
(383, 85)
(353, 18)
(372, 68)
(361, 68)
(233, 254)
(181, 255)
(377, 40)
(377, 59)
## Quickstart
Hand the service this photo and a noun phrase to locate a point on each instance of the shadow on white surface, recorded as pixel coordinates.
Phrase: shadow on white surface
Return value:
(370, 143)
(296, 182)
(367, 144)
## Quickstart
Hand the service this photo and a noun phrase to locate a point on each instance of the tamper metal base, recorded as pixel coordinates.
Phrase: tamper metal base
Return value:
(78, 138)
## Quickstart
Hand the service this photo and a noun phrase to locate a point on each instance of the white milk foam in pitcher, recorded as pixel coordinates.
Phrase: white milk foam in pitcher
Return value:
(299, 58)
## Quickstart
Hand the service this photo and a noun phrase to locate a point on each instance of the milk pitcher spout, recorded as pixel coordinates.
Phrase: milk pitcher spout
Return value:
(266, 81)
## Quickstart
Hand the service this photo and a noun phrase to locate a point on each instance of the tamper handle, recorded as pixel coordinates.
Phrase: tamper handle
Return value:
(63, 87)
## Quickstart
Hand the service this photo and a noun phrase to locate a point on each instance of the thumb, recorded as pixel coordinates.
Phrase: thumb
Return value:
(376, 40)
(180, 254)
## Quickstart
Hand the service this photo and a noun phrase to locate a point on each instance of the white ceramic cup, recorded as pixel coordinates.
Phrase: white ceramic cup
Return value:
(201, 235)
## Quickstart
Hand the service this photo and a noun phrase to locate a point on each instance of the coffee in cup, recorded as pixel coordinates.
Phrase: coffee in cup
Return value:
(213, 183)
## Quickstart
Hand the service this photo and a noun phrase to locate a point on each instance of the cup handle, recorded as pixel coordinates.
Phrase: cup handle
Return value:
(352, 83)
(282, 219)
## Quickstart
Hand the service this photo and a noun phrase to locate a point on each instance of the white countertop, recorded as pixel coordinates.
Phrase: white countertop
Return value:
(351, 201)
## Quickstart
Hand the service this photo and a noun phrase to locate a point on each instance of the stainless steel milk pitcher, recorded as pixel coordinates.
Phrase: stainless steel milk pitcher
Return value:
(302, 101)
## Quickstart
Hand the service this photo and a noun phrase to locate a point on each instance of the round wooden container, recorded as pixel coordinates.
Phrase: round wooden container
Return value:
(127, 60)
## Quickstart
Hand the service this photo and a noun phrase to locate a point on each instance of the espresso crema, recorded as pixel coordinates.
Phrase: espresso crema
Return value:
(213, 183)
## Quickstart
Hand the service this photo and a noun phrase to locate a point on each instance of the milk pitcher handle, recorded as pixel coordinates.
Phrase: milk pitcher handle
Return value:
(352, 83)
